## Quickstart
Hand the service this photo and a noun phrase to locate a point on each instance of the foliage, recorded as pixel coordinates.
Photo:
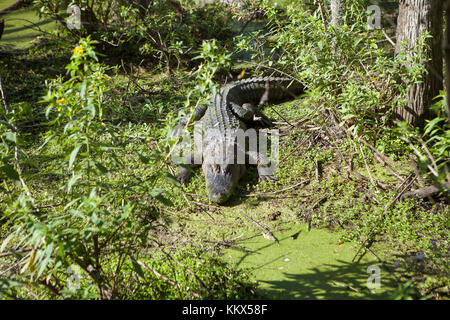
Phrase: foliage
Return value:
(80, 234)
(347, 70)
(351, 74)
(163, 31)
(431, 145)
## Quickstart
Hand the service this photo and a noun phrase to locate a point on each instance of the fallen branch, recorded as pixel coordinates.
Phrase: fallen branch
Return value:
(265, 231)
(426, 192)
(275, 192)
(230, 245)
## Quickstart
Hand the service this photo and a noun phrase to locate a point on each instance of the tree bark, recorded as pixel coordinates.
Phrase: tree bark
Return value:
(416, 17)
(335, 13)
(446, 47)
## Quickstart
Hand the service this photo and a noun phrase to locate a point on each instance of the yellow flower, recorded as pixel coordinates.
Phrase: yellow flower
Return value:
(62, 100)
(103, 77)
(78, 50)
(373, 40)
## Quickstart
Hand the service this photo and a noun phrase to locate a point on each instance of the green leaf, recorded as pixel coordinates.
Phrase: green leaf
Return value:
(73, 154)
(158, 195)
(101, 168)
(430, 125)
(91, 109)
(46, 141)
(11, 136)
(6, 242)
(143, 158)
(72, 181)
(172, 179)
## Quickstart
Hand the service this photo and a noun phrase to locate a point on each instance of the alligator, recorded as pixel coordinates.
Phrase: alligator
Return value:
(233, 108)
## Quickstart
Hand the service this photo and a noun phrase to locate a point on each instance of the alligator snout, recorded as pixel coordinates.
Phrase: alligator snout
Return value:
(221, 181)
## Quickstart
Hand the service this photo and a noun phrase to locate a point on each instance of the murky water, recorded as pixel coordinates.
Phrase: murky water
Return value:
(311, 265)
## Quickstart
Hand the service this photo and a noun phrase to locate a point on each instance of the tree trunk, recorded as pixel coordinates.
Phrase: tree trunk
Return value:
(446, 47)
(416, 17)
(335, 13)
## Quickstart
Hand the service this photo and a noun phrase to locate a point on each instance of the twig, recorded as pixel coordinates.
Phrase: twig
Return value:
(367, 168)
(296, 148)
(322, 14)
(231, 245)
(275, 192)
(318, 169)
(341, 284)
(430, 156)
(310, 210)
(274, 69)
(382, 159)
(266, 232)
(16, 149)
(434, 172)
(158, 245)
(158, 274)
(5, 105)
(387, 37)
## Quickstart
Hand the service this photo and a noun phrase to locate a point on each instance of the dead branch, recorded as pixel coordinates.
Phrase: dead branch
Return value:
(230, 245)
(265, 231)
(275, 192)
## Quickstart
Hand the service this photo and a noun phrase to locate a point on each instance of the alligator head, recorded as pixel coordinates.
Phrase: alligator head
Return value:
(221, 167)
(221, 180)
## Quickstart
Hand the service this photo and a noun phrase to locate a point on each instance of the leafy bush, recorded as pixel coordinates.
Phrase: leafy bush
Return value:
(348, 71)
(164, 31)
(81, 233)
